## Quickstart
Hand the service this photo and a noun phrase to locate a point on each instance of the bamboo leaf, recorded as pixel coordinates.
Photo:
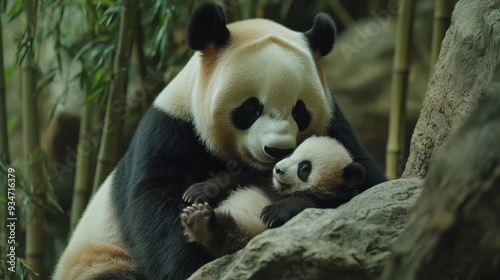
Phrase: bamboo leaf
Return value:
(16, 9)
(99, 3)
(47, 79)
(113, 10)
(53, 110)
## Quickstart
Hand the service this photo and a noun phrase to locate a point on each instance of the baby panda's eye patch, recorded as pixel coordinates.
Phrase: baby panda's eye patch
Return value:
(247, 113)
(303, 170)
(301, 115)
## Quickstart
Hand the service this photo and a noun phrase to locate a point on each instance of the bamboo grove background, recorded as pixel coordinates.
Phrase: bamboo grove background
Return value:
(104, 46)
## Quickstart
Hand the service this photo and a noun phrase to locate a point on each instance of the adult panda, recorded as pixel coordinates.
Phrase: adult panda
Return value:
(318, 174)
(251, 93)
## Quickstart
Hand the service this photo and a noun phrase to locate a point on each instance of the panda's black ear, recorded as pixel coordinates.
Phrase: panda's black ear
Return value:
(321, 36)
(354, 174)
(207, 26)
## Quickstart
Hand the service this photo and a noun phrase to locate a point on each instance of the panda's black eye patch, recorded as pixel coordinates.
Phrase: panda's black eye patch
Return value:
(247, 113)
(301, 115)
(303, 170)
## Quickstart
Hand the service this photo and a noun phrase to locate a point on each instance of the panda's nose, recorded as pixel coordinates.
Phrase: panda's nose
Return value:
(277, 152)
(277, 170)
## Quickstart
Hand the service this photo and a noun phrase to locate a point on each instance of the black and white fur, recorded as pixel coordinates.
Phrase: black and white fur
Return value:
(318, 173)
(250, 94)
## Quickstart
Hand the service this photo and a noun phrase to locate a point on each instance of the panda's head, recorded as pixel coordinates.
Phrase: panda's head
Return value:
(259, 89)
(319, 165)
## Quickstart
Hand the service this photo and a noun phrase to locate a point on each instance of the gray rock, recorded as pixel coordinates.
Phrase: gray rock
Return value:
(350, 242)
(454, 230)
(469, 54)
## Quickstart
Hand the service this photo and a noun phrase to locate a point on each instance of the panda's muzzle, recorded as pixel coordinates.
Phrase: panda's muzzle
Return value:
(277, 152)
(277, 170)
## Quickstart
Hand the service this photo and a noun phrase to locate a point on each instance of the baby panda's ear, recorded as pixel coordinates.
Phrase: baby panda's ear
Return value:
(321, 36)
(354, 174)
(207, 27)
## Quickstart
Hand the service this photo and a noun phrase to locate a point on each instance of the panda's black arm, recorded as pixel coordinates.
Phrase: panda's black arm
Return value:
(164, 158)
(341, 130)
(155, 236)
(283, 210)
(217, 188)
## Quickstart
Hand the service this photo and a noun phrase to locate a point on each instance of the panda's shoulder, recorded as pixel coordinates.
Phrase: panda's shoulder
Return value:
(161, 142)
(163, 135)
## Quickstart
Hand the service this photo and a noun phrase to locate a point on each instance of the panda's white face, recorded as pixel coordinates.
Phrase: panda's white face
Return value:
(256, 92)
(263, 97)
(316, 165)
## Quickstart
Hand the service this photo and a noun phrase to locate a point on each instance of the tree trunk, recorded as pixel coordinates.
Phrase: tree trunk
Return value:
(31, 143)
(399, 87)
(453, 232)
(108, 151)
(469, 54)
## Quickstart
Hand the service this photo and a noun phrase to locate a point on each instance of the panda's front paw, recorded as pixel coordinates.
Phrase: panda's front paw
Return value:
(200, 193)
(275, 215)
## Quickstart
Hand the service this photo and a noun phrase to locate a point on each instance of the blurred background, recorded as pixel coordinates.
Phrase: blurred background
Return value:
(62, 53)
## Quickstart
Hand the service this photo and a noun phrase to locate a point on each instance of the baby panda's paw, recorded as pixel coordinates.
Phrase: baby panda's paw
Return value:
(275, 215)
(196, 220)
(201, 193)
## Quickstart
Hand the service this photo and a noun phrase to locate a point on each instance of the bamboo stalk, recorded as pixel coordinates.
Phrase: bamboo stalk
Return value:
(442, 19)
(399, 85)
(33, 172)
(108, 151)
(4, 146)
(4, 138)
(373, 6)
(86, 151)
(83, 177)
(341, 12)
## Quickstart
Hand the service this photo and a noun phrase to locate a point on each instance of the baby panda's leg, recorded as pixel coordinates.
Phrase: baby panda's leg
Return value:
(217, 231)
(196, 220)
(230, 226)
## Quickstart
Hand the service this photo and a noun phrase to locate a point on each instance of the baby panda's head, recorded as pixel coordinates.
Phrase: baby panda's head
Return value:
(319, 165)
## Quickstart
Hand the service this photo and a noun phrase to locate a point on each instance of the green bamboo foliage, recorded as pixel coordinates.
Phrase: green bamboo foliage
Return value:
(442, 19)
(108, 151)
(399, 86)
(31, 145)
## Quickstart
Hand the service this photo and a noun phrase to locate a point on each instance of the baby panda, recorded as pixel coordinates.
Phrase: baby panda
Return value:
(320, 173)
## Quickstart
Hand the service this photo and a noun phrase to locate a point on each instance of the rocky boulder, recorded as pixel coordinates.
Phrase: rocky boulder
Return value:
(454, 231)
(470, 53)
(351, 241)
